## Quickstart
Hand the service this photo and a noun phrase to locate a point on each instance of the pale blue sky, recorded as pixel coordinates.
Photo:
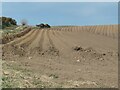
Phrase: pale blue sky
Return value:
(60, 0)
(66, 13)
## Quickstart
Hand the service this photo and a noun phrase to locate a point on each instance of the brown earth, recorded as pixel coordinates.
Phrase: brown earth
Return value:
(73, 56)
(7, 38)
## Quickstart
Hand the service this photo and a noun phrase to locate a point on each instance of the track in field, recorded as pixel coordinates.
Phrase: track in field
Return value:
(39, 38)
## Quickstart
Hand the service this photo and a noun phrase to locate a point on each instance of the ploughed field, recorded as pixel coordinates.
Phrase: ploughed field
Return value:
(62, 56)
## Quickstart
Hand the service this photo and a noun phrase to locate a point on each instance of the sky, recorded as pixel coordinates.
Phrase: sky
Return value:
(62, 13)
(60, 0)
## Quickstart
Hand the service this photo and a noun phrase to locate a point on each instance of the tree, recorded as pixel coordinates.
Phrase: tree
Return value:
(6, 22)
(24, 22)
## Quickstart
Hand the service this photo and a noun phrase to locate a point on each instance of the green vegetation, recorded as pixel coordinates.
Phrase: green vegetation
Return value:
(7, 22)
(12, 31)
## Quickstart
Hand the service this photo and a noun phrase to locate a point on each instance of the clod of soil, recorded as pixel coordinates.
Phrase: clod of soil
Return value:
(78, 48)
(103, 54)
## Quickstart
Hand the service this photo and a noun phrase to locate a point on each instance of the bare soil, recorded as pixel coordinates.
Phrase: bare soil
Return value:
(76, 56)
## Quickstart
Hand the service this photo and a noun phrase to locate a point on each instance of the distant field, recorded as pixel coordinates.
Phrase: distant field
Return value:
(62, 56)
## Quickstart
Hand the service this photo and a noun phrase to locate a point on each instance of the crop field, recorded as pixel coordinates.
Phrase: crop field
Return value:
(62, 56)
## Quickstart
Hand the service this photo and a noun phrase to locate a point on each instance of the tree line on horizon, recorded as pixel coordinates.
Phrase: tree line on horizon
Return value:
(7, 22)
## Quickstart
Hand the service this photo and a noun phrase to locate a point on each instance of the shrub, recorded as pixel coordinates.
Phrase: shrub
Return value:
(7, 22)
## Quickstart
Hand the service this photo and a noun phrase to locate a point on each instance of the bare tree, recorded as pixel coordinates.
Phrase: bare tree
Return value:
(24, 22)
